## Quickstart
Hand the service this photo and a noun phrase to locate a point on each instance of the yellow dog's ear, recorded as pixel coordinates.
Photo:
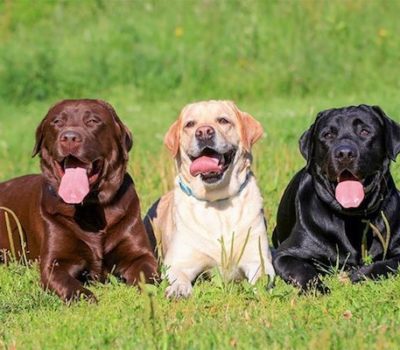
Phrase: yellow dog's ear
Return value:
(251, 130)
(171, 139)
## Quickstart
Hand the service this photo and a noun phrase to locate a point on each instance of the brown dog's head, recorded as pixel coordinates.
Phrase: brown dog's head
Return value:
(211, 142)
(83, 147)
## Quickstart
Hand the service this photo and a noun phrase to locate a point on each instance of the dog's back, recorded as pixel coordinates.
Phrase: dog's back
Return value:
(20, 205)
(158, 221)
(286, 217)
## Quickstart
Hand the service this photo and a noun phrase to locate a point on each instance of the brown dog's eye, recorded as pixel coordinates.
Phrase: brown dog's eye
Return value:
(92, 122)
(58, 122)
(190, 124)
(364, 132)
(223, 121)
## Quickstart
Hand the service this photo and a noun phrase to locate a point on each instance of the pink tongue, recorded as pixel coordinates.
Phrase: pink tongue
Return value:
(204, 165)
(74, 185)
(350, 193)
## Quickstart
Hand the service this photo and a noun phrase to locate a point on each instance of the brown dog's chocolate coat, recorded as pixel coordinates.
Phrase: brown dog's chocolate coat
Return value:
(104, 234)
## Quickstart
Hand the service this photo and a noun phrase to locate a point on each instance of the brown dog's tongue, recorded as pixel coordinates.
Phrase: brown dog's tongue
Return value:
(205, 164)
(74, 185)
(350, 193)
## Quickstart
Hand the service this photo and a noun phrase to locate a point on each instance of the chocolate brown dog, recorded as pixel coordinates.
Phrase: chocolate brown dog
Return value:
(343, 208)
(81, 216)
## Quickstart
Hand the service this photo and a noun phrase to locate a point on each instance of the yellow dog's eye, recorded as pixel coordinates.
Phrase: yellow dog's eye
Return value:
(190, 124)
(223, 121)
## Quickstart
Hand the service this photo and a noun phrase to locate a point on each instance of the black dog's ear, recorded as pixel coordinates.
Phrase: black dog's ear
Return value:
(305, 143)
(391, 133)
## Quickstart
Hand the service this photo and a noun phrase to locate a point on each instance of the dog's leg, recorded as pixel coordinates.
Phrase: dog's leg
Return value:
(254, 270)
(58, 276)
(256, 260)
(183, 266)
(299, 272)
(132, 259)
(180, 280)
(137, 269)
(376, 270)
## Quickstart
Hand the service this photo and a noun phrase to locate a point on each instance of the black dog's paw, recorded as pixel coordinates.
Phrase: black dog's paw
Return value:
(361, 274)
(312, 286)
(315, 285)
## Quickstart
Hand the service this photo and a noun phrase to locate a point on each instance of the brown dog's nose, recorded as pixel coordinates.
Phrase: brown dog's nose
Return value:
(205, 132)
(70, 138)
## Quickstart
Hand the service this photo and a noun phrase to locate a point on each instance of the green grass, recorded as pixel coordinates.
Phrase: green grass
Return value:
(282, 62)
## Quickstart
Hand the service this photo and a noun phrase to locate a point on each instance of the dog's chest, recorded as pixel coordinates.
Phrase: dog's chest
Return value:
(210, 227)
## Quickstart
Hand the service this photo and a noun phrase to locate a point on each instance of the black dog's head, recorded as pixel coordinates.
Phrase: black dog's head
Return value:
(349, 149)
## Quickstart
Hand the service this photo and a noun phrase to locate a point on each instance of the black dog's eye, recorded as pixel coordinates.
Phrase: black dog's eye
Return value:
(223, 121)
(329, 135)
(364, 132)
(190, 124)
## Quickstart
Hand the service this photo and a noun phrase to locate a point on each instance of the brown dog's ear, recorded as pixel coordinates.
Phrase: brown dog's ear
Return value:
(39, 138)
(126, 135)
(392, 133)
(126, 139)
(171, 139)
(251, 129)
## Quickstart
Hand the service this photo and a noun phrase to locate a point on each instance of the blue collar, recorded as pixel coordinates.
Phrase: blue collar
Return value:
(188, 191)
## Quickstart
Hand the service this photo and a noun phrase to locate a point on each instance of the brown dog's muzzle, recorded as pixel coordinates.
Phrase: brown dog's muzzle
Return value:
(70, 141)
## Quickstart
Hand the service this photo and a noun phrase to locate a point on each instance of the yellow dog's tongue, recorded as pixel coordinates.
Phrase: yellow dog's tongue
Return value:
(205, 164)
(74, 185)
(350, 193)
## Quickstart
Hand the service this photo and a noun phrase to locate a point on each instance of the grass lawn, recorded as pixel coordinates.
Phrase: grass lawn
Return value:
(218, 315)
(281, 61)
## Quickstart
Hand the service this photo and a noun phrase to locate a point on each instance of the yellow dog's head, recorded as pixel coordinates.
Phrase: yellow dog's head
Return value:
(211, 143)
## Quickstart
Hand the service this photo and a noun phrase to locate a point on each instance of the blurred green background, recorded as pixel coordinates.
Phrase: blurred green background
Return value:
(281, 61)
(190, 49)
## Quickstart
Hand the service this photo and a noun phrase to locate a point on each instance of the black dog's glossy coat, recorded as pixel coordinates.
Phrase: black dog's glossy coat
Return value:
(313, 231)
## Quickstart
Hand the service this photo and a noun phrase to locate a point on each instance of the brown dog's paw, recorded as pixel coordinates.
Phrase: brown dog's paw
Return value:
(80, 294)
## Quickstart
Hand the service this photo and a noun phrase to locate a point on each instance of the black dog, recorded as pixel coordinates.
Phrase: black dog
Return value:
(343, 208)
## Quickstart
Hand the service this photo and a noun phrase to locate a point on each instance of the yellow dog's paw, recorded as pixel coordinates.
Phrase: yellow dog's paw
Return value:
(179, 290)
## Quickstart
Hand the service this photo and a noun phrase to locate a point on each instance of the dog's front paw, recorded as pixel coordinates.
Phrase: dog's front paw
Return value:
(179, 290)
(315, 285)
(360, 274)
(79, 294)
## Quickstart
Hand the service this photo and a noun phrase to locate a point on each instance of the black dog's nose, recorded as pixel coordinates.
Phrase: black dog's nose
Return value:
(205, 132)
(70, 137)
(345, 152)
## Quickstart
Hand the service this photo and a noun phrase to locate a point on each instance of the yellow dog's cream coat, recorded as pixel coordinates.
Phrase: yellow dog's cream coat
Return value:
(202, 225)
